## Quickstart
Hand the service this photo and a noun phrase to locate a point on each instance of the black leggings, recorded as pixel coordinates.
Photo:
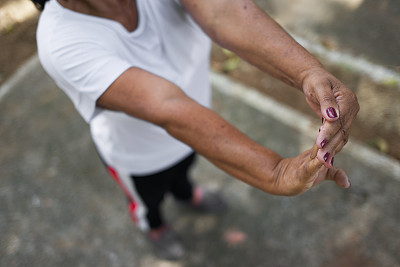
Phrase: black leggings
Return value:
(152, 188)
(146, 193)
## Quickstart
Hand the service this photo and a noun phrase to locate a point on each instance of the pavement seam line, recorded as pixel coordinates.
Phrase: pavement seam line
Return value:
(261, 102)
(300, 122)
(377, 73)
(29, 66)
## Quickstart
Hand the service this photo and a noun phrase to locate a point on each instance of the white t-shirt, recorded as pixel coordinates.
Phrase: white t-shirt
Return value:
(86, 54)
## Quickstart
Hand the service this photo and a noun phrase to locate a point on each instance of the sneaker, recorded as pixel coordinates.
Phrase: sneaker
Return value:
(169, 246)
(210, 201)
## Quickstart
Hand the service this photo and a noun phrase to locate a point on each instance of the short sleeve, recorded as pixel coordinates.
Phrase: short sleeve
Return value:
(85, 71)
(83, 63)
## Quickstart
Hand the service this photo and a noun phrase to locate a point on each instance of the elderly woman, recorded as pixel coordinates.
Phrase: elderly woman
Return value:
(137, 71)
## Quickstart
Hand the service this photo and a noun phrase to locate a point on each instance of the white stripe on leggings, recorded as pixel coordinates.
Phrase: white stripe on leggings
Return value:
(141, 209)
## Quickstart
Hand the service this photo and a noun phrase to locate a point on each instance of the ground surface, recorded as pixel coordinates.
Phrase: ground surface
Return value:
(378, 122)
(58, 210)
(59, 207)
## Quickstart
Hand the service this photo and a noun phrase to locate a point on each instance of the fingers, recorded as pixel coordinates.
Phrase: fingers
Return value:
(328, 151)
(333, 97)
(333, 174)
(339, 176)
(330, 119)
(314, 151)
(312, 167)
(327, 101)
(314, 172)
(306, 170)
(326, 142)
(338, 132)
(326, 132)
(330, 141)
(320, 177)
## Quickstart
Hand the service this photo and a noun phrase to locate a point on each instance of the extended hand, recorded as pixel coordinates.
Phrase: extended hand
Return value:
(338, 107)
(294, 176)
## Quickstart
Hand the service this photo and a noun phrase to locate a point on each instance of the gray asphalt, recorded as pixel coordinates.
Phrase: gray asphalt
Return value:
(364, 28)
(59, 207)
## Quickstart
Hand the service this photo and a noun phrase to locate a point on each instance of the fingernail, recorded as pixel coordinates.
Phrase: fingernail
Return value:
(319, 130)
(332, 161)
(323, 143)
(331, 112)
(322, 120)
(326, 156)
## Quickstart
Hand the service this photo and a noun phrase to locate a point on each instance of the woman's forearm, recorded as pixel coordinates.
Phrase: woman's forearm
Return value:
(186, 120)
(223, 144)
(242, 27)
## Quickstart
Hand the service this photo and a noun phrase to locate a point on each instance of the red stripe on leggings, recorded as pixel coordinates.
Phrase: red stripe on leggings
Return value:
(132, 204)
(132, 210)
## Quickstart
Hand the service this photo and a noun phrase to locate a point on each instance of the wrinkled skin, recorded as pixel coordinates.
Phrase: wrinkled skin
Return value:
(322, 91)
(294, 176)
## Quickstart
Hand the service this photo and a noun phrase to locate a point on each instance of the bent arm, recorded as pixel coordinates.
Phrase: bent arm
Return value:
(206, 132)
(241, 26)
(146, 96)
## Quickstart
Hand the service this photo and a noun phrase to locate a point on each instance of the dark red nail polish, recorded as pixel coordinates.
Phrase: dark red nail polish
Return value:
(322, 120)
(326, 156)
(323, 143)
(332, 161)
(331, 112)
(319, 130)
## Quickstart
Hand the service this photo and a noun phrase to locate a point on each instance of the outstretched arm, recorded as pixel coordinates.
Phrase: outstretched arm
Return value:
(210, 135)
(241, 26)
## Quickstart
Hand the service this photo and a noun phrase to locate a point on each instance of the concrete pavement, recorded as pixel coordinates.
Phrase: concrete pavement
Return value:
(367, 29)
(59, 207)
